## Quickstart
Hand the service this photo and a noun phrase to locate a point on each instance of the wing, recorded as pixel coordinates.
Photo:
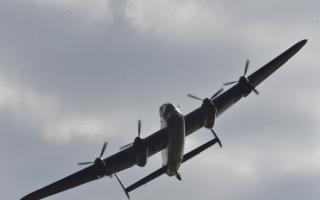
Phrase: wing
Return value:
(115, 163)
(86, 175)
(235, 93)
(162, 170)
(195, 119)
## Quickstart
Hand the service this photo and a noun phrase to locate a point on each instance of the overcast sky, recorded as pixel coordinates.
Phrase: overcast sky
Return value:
(74, 73)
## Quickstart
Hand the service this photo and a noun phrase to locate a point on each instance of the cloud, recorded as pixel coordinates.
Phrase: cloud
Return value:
(179, 19)
(45, 113)
(76, 73)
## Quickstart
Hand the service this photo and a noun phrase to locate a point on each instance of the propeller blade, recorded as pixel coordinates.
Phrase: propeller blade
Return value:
(85, 163)
(246, 68)
(254, 90)
(126, 146)
(229, 83)
(216, 136)
(103, 149)
(123, 187)
(139, 127)
(178, 176)
(194, 97)
(217, 93)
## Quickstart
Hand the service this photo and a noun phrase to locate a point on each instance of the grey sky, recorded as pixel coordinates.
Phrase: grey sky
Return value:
(74, 73)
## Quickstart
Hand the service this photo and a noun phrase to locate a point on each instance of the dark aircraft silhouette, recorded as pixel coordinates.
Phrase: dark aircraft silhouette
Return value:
(170, 138)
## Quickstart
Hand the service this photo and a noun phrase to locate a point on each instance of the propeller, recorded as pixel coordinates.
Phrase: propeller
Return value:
(244, 76)
(178, 176)
(139, 133)
(101, 154)
(115, 174)
(211, 98)
(122, 185)
(139, 127)
(216, 136)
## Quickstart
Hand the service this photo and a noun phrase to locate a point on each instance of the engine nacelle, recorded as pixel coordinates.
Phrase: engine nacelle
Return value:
(141, 152)
(100, 167)
(210, 113)
(141, 160)
(246, 88)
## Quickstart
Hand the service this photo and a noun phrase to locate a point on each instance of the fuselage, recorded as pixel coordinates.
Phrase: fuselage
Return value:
(173, 121)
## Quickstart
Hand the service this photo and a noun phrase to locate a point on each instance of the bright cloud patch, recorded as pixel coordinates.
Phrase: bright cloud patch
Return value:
(174, 18)
(45, 113)
(169, 19)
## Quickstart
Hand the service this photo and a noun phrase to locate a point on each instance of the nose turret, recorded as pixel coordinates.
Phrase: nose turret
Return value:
(167, 109)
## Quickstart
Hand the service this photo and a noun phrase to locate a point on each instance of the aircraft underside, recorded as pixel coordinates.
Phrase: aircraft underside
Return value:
(172, 155)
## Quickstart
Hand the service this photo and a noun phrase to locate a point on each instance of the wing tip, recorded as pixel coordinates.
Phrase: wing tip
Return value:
(297, 47)
(302, 43)
(25, 198)
(31, 196)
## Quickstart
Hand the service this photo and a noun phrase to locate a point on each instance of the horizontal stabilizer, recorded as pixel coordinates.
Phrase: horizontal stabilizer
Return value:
(163, 169)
